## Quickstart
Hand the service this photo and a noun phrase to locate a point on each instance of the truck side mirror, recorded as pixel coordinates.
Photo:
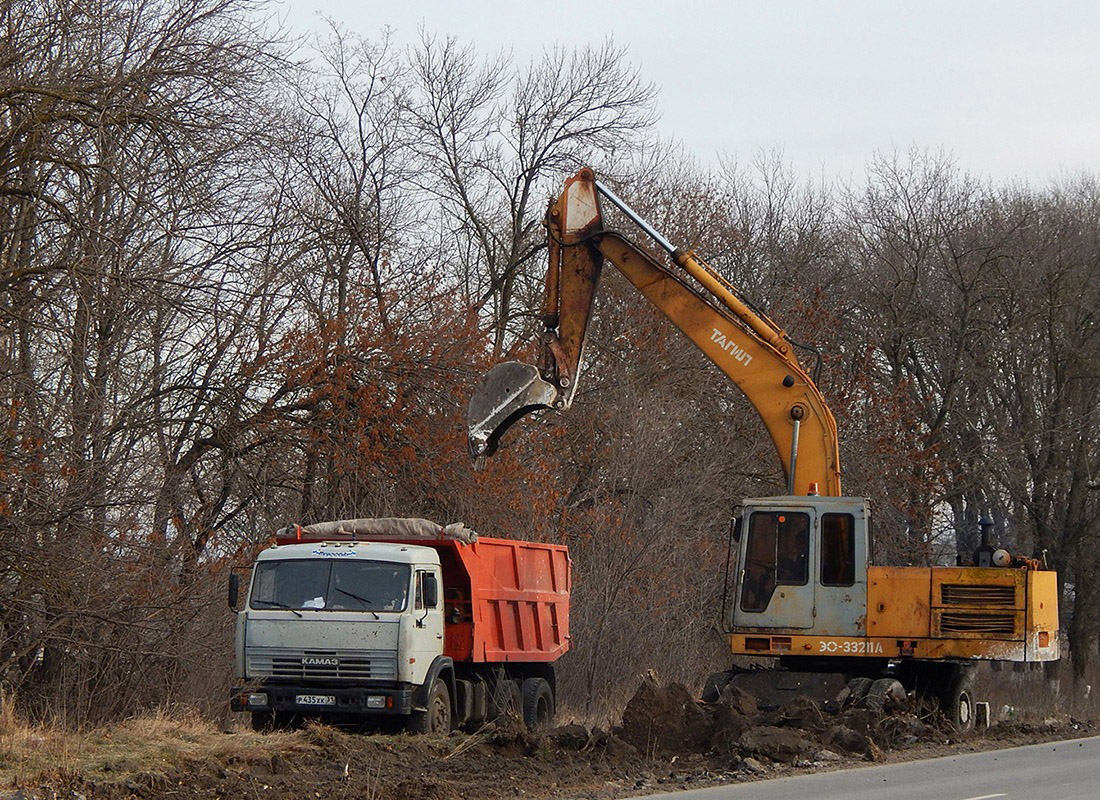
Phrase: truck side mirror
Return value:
(431, 591)
(234, 589)
(735, 528)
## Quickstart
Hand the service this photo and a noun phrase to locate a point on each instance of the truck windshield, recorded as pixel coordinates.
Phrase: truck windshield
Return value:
(331, 585)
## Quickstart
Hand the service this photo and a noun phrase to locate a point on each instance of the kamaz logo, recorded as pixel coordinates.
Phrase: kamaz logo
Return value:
(319, 661)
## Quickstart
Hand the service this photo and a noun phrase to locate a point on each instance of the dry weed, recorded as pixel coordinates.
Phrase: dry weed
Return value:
(146, 745)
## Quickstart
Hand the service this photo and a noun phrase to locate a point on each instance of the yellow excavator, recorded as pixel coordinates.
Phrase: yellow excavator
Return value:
(805, 591)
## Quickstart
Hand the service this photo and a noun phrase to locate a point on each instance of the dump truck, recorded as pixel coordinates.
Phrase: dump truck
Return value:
(806, 592)
(400, 620)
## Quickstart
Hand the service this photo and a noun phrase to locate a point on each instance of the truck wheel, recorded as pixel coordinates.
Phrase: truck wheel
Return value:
(505, 700)
(436, 718)
(262, 721)
(538, 704)
(958, 702)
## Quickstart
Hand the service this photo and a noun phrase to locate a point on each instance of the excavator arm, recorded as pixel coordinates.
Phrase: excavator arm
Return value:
(750, 349)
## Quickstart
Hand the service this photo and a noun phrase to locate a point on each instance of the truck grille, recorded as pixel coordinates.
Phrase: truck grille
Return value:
(278, 662)
(955, 594)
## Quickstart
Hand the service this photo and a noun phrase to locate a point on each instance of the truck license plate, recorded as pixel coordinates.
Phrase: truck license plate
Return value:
(316, 700)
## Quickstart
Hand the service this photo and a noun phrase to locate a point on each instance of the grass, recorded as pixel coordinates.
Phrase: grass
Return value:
(148, 745)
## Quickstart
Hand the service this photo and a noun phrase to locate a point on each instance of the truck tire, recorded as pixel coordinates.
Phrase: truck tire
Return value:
(505, 699)
(436, 716)
(958, 702)
(538, 704)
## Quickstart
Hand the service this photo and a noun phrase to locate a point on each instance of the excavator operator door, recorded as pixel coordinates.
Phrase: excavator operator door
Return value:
(803, 565)
(775, 587)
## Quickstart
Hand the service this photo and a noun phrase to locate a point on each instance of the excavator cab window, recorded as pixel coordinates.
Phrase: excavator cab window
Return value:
(777, 553)
(838, 550)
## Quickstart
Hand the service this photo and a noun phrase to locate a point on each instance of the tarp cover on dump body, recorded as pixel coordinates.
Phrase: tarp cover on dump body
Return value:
(379, 527)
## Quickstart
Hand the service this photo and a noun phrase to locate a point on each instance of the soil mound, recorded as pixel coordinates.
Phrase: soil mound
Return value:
(668, 720)
(665, 719)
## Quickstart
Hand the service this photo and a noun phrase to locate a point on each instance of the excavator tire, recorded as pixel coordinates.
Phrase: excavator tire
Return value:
(715, 684)
(774, 688)
(857, 691)
(958, 701)
(886, 694)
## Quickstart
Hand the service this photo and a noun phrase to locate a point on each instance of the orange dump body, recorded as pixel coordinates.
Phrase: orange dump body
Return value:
(504, 600)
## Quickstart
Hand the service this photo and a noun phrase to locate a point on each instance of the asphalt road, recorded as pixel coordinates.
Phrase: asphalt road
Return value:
(1052, 771)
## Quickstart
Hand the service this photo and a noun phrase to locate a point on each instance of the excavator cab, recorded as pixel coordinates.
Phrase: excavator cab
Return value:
(802, 566)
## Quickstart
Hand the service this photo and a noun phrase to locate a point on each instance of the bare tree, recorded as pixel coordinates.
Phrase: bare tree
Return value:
(1040, 397)
(126, 149)
(491, 138)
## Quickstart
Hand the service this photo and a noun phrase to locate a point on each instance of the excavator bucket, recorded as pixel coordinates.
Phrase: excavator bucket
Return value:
(508, 392)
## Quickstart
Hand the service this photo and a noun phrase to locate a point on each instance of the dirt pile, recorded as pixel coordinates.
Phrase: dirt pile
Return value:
(667, 720)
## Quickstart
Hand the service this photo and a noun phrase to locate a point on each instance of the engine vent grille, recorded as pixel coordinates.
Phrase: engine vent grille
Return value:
(961, 594)
(978, 622)
(278, 662)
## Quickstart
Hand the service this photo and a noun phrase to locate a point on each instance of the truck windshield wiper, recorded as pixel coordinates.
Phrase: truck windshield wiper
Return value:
(277, 604)
(362, 600)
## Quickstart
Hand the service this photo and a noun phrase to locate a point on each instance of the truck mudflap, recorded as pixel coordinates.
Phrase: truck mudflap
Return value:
(397, 701)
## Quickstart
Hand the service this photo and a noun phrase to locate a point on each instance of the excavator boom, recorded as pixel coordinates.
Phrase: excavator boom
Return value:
(745, 345)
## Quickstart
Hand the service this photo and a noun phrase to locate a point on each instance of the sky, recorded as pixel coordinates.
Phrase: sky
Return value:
(1010, 90)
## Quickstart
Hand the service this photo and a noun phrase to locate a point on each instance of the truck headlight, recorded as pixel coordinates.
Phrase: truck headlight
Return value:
(257, 699)
(376, 702)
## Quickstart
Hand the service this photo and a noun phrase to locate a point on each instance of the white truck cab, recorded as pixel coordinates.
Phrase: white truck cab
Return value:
(354, 627)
